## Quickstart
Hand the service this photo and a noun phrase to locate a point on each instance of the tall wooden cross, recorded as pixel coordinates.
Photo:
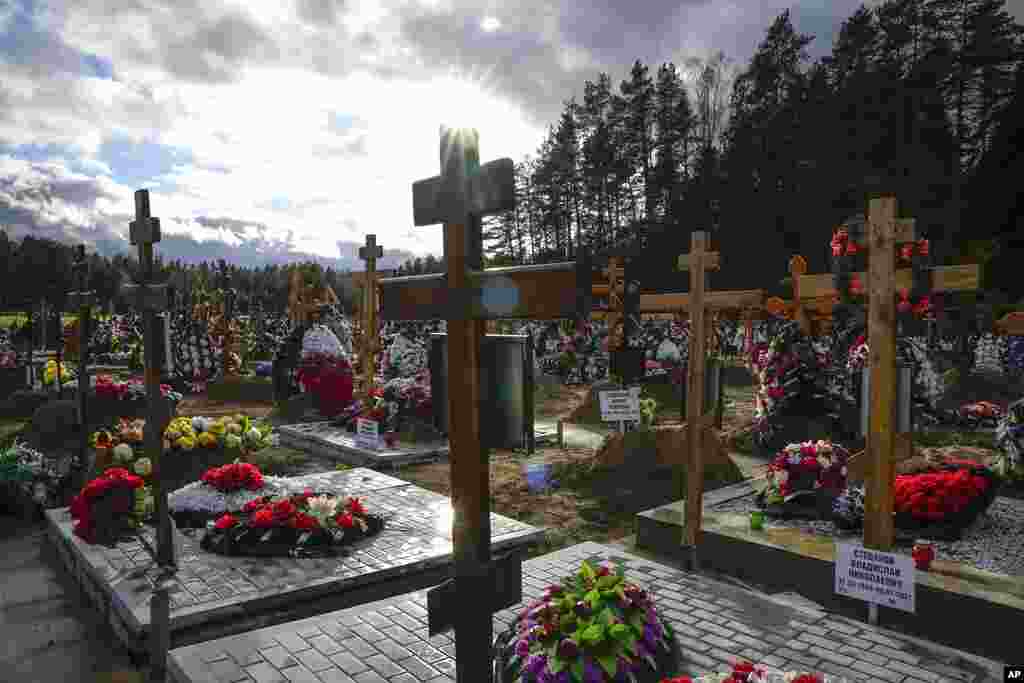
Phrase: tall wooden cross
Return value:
(698, 262)
(151, 298)
(369, 339)
(82, 299)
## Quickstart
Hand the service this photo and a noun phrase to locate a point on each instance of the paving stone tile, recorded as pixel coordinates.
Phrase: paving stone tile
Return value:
(335, 676)
(870, 657)
(724, 643)
(829, 655)
(383, 665)
(348, 663)
(878, 671)
(808, 628)
(419, 669)
(291, 641)
(714, 628)
(359, 647)
(370, 677)
(226, 671)
(279, 657)
(876, 637)
(313, 660)
(826, 643)
(913, 671)
(264, 673)
(300, 674)
(893, 653)
(446, 666)
(427, 652)
(687, 643)
(399, 635)
(325, 645)
(392, 650)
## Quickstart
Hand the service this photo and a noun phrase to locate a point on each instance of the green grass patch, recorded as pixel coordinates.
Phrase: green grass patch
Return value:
(278, 461)
(9, 429)
(942, 438)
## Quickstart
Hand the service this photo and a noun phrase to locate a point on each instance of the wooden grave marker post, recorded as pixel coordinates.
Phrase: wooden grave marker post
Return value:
(82, 299)
(466, 298)
(369, 337)
(697, 262)
(151, 298)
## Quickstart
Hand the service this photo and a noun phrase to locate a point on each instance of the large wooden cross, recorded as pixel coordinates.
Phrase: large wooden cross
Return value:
(151, 298)
(458, 197)
(698, 262)
(83, 300)
(369, 338)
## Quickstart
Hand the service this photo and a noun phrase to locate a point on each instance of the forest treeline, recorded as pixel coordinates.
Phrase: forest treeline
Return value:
(921, 98)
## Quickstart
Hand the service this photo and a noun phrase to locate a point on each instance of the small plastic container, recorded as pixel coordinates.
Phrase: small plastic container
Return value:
(757, 520)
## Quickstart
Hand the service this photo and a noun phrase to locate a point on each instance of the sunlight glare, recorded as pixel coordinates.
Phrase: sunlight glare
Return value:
(490, 24)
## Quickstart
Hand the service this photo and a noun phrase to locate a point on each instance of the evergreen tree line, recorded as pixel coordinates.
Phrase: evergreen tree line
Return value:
(922, 98)
(918, 97)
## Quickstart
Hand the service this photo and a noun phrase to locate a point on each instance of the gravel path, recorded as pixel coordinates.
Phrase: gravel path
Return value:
(995, 542)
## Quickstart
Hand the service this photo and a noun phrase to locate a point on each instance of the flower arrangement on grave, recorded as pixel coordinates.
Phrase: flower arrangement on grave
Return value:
(595, 626)
(745, 672)
(858, 355)
(133, 389)
(50, 373)
(222, 490)
(406, 357)
(1010, 441)
(956, 493)
(329, 379)
(804, 468)
(848, 508)
(8, 359)
(195, 353)
(232, 433)
(981, 414)
(402, 405)
(44, 478)
(1013, 360)
(786, 368)
(105, 509)
(302, 524)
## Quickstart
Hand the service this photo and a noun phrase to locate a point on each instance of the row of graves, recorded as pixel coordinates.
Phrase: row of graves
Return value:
(213, 570)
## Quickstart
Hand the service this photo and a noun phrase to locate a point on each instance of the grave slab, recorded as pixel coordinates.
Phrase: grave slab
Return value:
(791, 559)
(330, 441)
(215, 595)
(716, 624)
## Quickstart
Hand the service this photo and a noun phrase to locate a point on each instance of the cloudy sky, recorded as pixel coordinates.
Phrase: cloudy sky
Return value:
(265, 129)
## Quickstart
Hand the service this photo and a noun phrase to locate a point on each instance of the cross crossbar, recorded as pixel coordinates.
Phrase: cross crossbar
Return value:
(944, 279)
(492, 189)
(541, 292)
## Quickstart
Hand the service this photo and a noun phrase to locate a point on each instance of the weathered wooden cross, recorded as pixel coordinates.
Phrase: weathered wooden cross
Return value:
(819, 293)
(369, 337)
(465, 297)
(151, 298)
(82, 299)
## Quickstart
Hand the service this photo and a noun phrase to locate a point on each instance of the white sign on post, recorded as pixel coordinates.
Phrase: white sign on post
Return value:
(621, 405)
(367, 433)
(885, 579)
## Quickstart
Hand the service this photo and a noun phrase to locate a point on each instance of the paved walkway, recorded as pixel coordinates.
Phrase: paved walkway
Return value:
(717, 624)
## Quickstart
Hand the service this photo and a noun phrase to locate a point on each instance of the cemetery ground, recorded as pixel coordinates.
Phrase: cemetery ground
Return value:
(52, 632)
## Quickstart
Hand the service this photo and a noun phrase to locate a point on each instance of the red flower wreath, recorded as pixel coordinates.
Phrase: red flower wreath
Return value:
(81, 507)
(234, 477)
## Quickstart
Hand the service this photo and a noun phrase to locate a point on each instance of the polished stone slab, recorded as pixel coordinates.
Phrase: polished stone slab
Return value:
(329, 441)
(214, 594)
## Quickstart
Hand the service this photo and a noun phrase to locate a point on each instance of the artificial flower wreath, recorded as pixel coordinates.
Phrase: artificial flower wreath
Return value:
(805, 467)
(595, 626)
(103, 511)
(745, 672)
(302, 524)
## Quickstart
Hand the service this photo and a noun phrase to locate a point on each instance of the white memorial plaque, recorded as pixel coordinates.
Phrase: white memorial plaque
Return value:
(885, 579)
(622, 405)
(367, 433)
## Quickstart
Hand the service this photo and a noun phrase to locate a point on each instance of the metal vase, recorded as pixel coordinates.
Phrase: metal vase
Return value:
(904, 403)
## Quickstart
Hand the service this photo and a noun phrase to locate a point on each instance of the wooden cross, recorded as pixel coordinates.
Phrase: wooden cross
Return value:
(83, 300)
(463, 192)
(369, 342)
(697, 262)
(151, 297)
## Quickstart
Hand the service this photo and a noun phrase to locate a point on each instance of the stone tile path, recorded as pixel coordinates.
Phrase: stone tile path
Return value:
(717, 624)
(214, 595)
(326, 440)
